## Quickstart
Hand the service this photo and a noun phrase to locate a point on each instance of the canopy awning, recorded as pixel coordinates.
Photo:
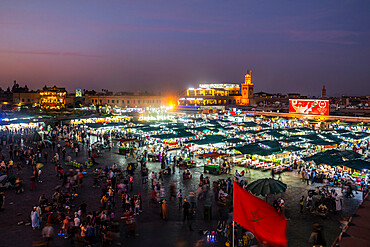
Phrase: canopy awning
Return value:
(264, 148)
(293, 148)
(126, 140)
(209, 139)
(213, 155)
(333, 157)
(357, 164)
(235, 140)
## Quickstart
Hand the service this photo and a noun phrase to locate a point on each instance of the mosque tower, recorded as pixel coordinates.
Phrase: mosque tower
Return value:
(247, 89)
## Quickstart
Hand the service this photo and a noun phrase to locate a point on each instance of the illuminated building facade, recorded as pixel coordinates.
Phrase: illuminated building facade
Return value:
(126, 100)
(22, 97)
(26, 99)
(219, 94)
(53, 98)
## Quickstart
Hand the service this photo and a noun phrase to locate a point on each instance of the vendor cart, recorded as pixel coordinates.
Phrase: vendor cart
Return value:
(212, 168)
(186, 164)
(124, 150)
(126, 146)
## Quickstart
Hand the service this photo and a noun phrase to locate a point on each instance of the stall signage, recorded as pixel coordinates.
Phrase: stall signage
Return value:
(309, 106)
(218, 85)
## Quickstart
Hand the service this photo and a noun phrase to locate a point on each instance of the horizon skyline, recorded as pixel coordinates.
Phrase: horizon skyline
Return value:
(289, 46)
(71, 91)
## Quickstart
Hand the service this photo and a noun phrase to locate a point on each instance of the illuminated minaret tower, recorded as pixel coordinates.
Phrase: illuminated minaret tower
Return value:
(247, 89)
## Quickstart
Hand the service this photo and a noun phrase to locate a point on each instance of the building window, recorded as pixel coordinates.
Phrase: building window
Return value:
(108, 101)
(28, 100)
(123, 101)
(112, 100)
(138, 101)
(100, 101)
(22, 100)
(128, 102)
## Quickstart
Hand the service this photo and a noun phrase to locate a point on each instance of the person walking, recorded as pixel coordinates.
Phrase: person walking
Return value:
(131, 182)
(46, 156)
(35, 222)
(66, 226)
(64, 153)
(164, 210)
(192, 201)
(173, 191)
(338, 204)
(317, 236)
(48, 233)
(279, 175)
(309, 203)
(186, 213)
(173, 167)
(39, 175)
(307, 176)
(33, 182)
(179, 197)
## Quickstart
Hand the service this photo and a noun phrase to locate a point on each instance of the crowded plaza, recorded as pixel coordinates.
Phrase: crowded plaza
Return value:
(116, 181)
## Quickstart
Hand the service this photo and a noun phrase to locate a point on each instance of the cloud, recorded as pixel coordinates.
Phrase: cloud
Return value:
(49, 53)
(340, 37)
(330, 36)
(155, 28)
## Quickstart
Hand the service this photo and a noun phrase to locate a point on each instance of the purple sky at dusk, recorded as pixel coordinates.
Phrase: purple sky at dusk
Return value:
(121, 45)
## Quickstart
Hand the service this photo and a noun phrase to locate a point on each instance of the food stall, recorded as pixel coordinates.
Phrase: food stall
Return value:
(187, 163)
(126, 146)
(171, 144)
(212, 162)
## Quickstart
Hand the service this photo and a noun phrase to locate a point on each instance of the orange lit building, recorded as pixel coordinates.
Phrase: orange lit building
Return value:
(52, 98)
(219, 94)
(247, 90)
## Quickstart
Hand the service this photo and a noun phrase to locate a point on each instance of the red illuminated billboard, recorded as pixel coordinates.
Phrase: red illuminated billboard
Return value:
(309, 106)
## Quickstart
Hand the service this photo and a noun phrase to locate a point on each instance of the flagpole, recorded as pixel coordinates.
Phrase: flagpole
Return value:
(233, 232)
(233, 214)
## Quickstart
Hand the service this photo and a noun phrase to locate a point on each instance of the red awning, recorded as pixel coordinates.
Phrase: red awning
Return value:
(126, 140)
(213, 155)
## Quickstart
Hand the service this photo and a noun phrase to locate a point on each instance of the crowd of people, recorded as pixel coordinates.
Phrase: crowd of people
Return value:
(117, 205)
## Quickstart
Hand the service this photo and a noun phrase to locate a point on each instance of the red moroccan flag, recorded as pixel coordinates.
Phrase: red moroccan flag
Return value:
(259, 217)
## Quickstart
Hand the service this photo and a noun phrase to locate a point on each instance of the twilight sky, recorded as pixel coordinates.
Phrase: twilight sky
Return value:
(124, 45)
